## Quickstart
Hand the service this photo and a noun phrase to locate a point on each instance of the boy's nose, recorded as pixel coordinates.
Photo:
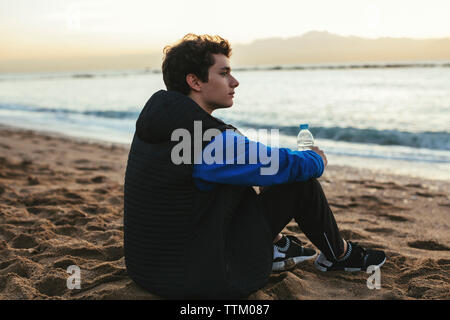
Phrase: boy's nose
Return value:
(234, 82)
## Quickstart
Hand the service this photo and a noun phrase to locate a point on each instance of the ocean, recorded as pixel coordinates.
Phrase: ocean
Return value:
(391, 118)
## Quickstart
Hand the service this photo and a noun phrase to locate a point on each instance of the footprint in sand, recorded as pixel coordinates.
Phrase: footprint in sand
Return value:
(392, 217)
(414, 185)
(101, 191)
(83, 181)
(430, 195)
(81, 161)
(54, 284)
(375, 186)
(99, 179)
(380, 230)
(53, 198)
(64, 262)
(428, 245)
(356, 181)
(22, 267)
(100, 168)
(32, 181)
(93, 209)
(41, 201)
(115, 201)
(72, 195)
(45, 211)
(393, 185)
(23, 241)
(368, 198)
(73, 214)
(67, 230)
(384, 186)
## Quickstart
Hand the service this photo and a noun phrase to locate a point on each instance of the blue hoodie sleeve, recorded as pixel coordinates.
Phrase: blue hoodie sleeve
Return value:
(231, 158)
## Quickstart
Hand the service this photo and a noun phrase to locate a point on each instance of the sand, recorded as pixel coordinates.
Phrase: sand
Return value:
(61, 204)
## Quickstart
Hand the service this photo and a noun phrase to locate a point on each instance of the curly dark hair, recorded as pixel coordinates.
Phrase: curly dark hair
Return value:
(192, 54)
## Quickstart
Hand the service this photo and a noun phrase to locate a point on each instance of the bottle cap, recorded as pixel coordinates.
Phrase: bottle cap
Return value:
(304, 126)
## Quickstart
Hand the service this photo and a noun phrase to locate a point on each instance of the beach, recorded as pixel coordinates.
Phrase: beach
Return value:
(61, 204)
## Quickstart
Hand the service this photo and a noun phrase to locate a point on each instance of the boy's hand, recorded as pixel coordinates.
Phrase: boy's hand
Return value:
(320, 153)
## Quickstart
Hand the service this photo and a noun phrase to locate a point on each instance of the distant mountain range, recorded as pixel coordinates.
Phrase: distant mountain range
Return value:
(311, 48)
(323, 47)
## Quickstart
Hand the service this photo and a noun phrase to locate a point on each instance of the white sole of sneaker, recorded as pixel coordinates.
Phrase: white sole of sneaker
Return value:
(359, 269)
(324, 268)
(290, 263)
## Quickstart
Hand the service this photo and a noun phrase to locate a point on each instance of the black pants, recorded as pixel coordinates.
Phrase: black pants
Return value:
(307, 204)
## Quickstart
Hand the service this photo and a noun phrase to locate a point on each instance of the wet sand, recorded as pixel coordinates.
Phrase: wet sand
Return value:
(61, 204)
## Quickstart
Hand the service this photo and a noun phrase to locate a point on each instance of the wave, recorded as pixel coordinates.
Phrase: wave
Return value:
(431, 140)
(115, 114)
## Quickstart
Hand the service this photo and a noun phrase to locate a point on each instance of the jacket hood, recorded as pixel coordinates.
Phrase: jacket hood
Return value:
(166, 111)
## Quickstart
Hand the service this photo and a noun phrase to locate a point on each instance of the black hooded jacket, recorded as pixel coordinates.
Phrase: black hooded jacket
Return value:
(181, 242)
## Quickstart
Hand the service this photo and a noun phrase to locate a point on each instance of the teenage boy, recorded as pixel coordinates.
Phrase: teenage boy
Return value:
(196, 228)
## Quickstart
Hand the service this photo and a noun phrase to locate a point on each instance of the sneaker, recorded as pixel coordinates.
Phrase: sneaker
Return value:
(358, 259)
(288, 252)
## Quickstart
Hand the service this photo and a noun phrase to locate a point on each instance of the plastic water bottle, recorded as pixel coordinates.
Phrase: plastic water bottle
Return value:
(305, 139)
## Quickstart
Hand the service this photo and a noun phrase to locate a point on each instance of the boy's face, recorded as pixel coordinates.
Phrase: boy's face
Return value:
(218, 91)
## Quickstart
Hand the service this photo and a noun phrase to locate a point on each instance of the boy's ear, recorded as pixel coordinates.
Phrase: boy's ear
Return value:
(193, 82)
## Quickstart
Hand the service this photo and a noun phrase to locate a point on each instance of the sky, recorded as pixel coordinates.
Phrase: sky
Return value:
(38, 29)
